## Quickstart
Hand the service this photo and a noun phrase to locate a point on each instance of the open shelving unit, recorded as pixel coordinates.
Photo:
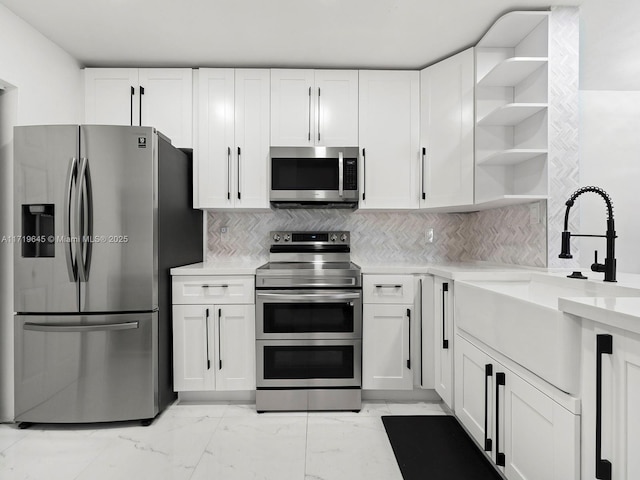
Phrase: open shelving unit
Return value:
(511, 135)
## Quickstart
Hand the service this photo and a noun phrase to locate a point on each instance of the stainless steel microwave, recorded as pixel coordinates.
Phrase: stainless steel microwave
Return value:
(314, 177)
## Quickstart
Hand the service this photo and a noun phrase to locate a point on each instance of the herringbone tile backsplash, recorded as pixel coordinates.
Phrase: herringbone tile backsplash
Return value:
(502, 235)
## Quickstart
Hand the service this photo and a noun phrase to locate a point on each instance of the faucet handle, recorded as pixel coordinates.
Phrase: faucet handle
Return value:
(595, 266)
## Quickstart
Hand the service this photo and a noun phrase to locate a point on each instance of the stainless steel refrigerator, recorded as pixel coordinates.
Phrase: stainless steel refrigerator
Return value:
(100, 215)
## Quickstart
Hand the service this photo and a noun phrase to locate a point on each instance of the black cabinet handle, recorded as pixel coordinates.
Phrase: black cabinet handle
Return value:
(420, 339)
(604, 345)
(488, 372)
(206, 326)
(309, 133)
(239, 152)
(500, 381)
(133, 92)
(219, 349)
(364, 173)
(140, 104)
(445, 289)
(409, 359)
(228, 173)
(424, 153)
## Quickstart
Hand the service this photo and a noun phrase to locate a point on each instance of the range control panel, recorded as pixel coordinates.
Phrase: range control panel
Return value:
(311, 238)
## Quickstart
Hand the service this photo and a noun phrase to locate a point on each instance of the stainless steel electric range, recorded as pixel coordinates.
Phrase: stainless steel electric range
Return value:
(309, 324)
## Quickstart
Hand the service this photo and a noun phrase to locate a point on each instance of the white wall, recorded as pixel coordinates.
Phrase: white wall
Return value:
(46, 88)
(610, 126)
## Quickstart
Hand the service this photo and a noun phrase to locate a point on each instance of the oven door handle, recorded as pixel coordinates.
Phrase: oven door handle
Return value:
(301, 296)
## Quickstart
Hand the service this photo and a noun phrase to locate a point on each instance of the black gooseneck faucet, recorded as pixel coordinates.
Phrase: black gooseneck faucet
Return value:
(609, 266)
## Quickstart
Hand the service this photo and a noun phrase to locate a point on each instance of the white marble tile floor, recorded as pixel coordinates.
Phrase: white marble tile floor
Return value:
(213, 441)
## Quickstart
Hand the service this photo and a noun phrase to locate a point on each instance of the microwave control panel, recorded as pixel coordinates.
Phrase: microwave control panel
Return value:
(350, 174)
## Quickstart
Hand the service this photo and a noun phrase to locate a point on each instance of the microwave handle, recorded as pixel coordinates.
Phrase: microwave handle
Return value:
(340, 173)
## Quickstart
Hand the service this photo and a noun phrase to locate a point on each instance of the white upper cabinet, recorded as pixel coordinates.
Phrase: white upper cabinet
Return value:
(156, 97)
(232, 147)
(111, 96)
(167, 102)
(389, 139)
(446, 132)
(314, 107)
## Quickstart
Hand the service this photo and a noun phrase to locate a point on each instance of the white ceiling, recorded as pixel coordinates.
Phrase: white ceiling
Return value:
(266, 33)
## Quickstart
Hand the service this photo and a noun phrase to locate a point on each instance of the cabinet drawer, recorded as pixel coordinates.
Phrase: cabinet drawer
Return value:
(213, 289)
(387, 289)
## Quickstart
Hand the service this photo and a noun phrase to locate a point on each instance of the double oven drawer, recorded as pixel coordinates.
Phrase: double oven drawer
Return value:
(308, 314)
(309, 338)
(309, 363)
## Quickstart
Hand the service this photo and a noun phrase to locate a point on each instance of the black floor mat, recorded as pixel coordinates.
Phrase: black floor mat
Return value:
(436, 448)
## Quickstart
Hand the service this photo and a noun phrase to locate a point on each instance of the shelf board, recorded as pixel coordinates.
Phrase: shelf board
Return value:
(512, 71)
(512, 156)
(504, 200)
(509, 30)
(511, 114)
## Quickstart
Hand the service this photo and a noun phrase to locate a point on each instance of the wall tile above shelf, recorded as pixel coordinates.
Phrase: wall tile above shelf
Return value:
(511, 114)
(512, 71)
(511, 156)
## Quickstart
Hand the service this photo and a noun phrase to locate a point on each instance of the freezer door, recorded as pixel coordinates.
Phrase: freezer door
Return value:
(77, 369)
(45, 172)
(118, 208)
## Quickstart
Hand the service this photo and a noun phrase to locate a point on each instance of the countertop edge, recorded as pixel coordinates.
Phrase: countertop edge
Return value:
(613, 316)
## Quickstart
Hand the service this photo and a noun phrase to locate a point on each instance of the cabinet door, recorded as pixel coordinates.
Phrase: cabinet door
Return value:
(620, 390)
(292, 107)
(236, 347)
(193, 343)
(541, 438)
(252, 100)
(474, 387)
(214, 152)
(626, 444)
(446, 132)
(167, 103)
(386, 356)
(443, 339)
(389, 116)
(336, 96)
(111, 96)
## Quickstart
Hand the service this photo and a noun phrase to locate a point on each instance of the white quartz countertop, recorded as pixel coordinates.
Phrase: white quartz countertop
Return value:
(230, 267)
(618, 312)
(451, 271)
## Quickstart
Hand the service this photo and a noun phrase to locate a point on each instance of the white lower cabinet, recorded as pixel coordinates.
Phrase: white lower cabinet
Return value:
(443, 338)
(521, 428)
(388, 332)
(618, 424)
(386, 356)
(213, 344)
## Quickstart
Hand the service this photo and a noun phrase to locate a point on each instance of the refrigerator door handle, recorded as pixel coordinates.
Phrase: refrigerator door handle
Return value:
(84, 229)
(72, 176)
(42, 327)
